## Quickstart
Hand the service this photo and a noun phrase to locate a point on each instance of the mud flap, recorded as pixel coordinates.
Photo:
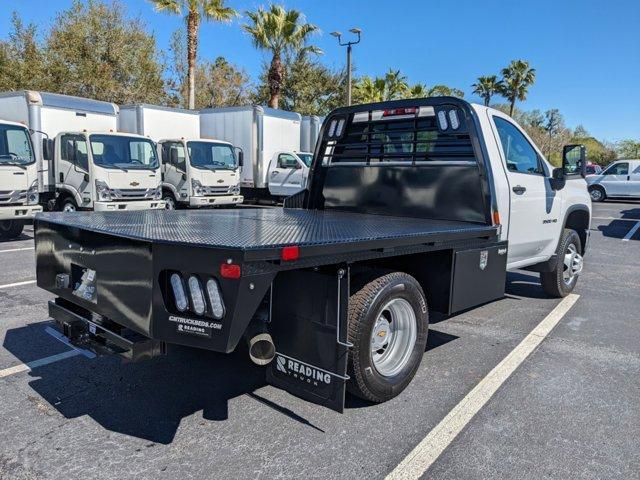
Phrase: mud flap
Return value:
(309, 328)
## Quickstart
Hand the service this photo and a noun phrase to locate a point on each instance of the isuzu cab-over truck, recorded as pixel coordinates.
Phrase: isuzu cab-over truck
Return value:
(413, 206)
(196, 172)
(18, 179)
(82, 163)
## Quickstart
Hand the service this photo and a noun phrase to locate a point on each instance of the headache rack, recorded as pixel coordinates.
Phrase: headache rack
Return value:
(404, 135)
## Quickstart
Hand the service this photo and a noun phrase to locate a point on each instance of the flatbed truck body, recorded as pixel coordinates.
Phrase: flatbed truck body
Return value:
(401, 218)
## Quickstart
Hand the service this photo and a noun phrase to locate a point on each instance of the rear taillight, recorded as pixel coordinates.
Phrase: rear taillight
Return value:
(393, 112)
(197, 297)
(215, 299)
(179, 295)
(230, 270)
(290, 253)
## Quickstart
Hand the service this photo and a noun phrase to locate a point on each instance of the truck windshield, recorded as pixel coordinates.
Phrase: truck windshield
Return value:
(115, 151)
(213, 156)
(15, 146)
(306, 158)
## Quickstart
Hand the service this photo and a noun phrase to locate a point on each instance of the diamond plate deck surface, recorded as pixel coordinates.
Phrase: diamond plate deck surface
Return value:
(259, 228)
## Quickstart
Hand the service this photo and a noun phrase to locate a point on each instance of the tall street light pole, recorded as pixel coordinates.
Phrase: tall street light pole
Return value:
(338, 35)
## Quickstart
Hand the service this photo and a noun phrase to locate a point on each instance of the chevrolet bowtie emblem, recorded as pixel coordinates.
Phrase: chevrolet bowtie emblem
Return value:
(220, 181)
(382, 334)
(134, 184)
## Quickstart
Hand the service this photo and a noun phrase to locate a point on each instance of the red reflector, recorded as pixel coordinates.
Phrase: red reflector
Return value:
(399, 111)
(290, 253)
(230, 270)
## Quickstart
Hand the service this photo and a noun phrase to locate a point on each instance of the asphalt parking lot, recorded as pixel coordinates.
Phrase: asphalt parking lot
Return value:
(571, 409)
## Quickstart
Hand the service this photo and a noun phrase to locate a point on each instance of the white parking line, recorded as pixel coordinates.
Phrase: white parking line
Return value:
(17, 249)
(429, 449)
(632, 232)
(17, 284)
(25, 367)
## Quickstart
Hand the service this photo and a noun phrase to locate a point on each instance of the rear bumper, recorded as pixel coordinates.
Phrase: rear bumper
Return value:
(137, 205)
(99, 339)
(197, 202)
(20, 212)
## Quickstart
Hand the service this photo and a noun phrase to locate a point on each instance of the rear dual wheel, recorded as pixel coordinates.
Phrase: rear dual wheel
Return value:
(388, 325)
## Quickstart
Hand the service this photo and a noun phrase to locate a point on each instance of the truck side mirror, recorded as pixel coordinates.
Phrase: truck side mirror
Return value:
(558, 179)
(240, 157)
(47, 149)
(574, 160)
(173, 156)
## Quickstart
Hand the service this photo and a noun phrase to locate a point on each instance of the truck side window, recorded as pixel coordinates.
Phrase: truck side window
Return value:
(73, 148)
(179, 154)
(617, 169)
(520, 156)
(287, 161)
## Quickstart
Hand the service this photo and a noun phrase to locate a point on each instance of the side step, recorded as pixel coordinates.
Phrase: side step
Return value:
(89, 335)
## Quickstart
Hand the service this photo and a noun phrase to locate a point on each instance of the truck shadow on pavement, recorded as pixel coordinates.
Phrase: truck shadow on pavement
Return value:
(150, 399)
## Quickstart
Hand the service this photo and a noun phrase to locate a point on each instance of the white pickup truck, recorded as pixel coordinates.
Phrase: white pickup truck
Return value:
(412, 206)
(288, 173)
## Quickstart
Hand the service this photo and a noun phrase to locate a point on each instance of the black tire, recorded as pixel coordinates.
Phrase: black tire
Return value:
(68, 204)
(10, 229)
(597, 194)
(169, 200)
(365, 306)
(553, 283)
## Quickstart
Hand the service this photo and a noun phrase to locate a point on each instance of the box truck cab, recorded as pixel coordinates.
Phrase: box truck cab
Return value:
(105, 171)
(18, 179)
(200, 173)
(195, 172)
(261, 133)
(81, 162)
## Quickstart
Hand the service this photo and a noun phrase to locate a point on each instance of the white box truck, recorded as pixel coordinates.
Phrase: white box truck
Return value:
(19, 199)
(82, 162)
(269, 139)
(195, 172)
(309, 131)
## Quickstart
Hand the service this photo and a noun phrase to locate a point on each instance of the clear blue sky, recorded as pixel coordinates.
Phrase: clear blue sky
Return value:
(587, 53)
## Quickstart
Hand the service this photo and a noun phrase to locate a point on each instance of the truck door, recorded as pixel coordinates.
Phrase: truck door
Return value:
(175, 166)
(73, 166)
(534, 222)
(616, 179)
(634, 180)
(285, 175)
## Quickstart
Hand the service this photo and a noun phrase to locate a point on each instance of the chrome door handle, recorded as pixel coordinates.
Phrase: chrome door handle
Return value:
(519, 190)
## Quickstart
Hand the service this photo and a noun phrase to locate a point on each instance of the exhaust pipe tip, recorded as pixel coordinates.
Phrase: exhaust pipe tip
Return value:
(262, 350)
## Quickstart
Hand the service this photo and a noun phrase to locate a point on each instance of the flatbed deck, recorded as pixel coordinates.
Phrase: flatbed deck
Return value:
(259, 229)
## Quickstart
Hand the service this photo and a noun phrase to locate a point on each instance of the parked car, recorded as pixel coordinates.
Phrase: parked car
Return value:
(621, 179)
(593, 169)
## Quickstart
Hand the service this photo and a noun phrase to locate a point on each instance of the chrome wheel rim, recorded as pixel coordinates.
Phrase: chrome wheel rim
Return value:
(169, 204)
(393, 337)
(596, 194)
(69, 207)
(572, 264)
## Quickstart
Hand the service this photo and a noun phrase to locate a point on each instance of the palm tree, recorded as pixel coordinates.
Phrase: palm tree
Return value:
(444, 91)
(395, 85)
(195, 10)
(486, 87)
(517, 78)
(281, 32)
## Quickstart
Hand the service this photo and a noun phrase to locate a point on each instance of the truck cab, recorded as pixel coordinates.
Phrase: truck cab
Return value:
(288, 172)
(200, 173)
(105, 171)
(18, 179)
